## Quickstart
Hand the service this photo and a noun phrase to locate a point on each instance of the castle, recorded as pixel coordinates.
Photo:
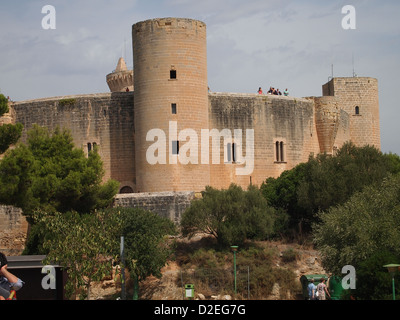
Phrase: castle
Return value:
(160, 129)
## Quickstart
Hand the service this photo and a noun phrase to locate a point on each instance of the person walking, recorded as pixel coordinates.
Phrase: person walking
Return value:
(312, 290)
(322, 290)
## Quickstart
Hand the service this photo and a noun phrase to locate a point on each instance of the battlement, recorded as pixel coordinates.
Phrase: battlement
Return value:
(58, 98)
(171, 26)
(264, 97)
(339, 85)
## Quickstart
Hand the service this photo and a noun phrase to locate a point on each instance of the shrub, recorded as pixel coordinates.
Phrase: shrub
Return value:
(231, 216)
(289, 255)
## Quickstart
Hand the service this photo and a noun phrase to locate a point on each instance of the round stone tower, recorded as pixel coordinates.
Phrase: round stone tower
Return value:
(170, 104)
(121, 79)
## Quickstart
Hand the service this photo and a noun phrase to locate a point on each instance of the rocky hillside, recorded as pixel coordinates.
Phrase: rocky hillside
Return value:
(170, 287)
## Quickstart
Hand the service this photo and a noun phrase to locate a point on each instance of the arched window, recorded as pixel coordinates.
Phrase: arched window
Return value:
(279, 151)
(357, 110)
(231, 152)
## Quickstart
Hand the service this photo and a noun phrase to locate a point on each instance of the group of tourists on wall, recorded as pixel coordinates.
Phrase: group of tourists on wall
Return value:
(274, 91)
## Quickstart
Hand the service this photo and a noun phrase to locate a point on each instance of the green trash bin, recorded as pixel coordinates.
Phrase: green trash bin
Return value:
(189, 291)
(305, 281)
(335, 287)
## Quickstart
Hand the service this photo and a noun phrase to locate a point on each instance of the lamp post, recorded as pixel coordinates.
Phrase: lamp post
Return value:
(392, 268)
(122, 250)
(234, 249)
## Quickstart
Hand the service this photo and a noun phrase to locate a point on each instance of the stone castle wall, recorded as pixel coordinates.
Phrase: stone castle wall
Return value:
(13, 230)
(106, 120)
(14, 227)
(300, 126)
(273, 119)
(169, 205)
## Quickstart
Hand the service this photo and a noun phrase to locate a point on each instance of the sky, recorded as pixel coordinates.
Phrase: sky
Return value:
(250, 44)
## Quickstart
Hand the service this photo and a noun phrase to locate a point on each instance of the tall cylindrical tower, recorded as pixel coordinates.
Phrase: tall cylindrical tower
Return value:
(170, 104)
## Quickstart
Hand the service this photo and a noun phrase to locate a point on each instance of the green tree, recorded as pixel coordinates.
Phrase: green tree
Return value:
(85, 245)
(366, 224)
(9, 133)
(3, 104)
(373, 281)
(329, 181)
(231, 216)
(325, 181)
(392, 162)
(146, 248)
(50, 174)
(281, 193)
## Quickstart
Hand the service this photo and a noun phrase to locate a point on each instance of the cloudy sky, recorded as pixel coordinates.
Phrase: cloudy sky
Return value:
(252, 43)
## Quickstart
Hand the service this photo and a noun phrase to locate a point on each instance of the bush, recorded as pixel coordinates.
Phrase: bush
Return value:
(231, 216)
(66, 102)
(373, 281)
(289, 255)
(326, 181)
(363, 226)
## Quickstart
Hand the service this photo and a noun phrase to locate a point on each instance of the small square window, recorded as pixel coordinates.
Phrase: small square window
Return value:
(173, 108)
(175, 147)
(172, 74)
